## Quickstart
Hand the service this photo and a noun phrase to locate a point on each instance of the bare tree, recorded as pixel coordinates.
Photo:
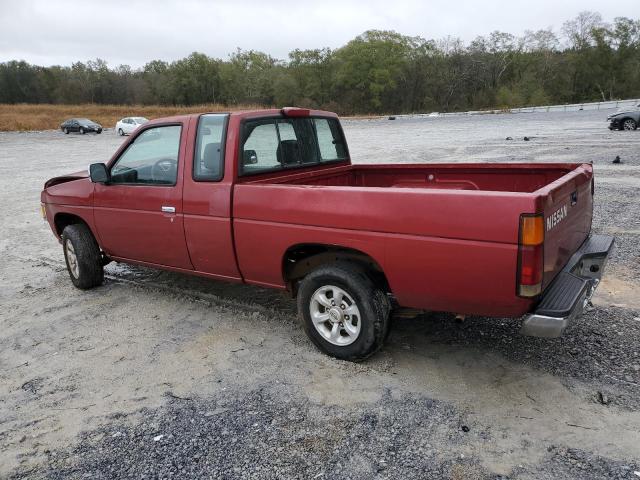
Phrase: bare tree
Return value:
(579, 31)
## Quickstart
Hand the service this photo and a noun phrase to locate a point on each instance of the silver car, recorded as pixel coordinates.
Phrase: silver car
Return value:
(126, 126)
(626, 119)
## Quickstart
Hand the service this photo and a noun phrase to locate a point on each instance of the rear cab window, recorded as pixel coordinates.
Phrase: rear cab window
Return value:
(274, 144)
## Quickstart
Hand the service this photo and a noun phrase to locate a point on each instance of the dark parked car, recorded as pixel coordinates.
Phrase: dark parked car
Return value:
(627, 119)
(82, 125)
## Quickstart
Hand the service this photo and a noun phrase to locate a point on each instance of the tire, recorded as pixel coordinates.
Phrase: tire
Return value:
(82, 131)
(65, 130)
(120, 132)
(629, 124)
(82, 256)
(371, 313)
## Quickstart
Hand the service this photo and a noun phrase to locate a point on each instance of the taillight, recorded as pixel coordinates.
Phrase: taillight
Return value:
(530, 255)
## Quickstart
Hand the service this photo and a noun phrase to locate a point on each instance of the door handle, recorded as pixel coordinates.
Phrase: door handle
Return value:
(166, 209)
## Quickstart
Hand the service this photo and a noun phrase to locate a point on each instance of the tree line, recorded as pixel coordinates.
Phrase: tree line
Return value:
(378, 71)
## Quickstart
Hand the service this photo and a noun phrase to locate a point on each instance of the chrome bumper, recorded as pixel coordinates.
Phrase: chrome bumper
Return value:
(571, 291)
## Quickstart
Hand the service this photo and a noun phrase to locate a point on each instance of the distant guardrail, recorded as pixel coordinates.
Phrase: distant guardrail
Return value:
(579, 106)
(573, 107)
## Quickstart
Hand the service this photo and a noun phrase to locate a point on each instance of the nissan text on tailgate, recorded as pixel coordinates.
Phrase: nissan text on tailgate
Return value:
(271, 198)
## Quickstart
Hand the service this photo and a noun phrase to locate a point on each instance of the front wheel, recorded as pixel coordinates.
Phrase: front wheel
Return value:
(343, 312)
(629, 124)
(83, 257)
(82, 130)
(65, 130)
(120, 132)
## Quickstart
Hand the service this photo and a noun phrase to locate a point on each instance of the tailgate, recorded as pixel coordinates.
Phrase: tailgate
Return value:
(568, 209)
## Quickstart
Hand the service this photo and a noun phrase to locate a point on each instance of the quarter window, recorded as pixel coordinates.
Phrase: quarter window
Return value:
(151, 159)
(209, 153)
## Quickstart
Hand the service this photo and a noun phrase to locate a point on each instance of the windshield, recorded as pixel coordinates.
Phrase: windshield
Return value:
(140, 120)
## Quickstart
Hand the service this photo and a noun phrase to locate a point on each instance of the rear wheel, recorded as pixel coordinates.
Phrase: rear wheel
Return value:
(343, 312)
(82, 130)
(82, 256)
(629, 124)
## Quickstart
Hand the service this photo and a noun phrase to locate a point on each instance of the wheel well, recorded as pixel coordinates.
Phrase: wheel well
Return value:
(299, 260)
(63, 220)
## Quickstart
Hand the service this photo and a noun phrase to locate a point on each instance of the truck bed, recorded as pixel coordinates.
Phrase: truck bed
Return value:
(418, 221)
(497, 178)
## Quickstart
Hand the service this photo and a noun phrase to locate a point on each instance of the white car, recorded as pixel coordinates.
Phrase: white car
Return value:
(126, 126)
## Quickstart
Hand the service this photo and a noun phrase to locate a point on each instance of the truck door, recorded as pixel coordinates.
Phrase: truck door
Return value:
(138, 213)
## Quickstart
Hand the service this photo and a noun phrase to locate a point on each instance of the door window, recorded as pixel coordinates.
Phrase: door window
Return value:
(152, 158)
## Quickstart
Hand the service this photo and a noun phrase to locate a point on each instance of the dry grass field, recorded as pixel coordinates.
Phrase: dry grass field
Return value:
(21, 117)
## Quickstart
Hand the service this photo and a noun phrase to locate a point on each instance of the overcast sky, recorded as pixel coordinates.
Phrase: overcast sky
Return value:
(133, 32)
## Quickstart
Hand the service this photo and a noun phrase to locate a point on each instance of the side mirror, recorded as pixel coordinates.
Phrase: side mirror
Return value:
(249, 157)
(98, 173)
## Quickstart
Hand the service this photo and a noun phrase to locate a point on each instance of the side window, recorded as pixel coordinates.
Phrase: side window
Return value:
(152, 158)
(209, 154)
(330, 141)
(260, 148)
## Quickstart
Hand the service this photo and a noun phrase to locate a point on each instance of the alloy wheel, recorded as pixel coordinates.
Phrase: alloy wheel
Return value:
(335, 315)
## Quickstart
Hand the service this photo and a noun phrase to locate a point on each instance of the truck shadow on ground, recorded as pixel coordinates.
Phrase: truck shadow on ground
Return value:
(593, 350)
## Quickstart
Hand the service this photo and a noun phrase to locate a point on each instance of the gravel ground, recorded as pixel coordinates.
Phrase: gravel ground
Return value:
(601, 350)
(406, 437)
(158, 375)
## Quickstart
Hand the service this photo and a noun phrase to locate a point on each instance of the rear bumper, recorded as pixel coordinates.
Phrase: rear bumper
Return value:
(571, 290)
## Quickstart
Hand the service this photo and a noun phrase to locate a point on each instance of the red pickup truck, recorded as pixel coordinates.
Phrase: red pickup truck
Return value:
(271, 198)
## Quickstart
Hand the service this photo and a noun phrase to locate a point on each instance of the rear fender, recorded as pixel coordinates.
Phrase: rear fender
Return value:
(301, 259)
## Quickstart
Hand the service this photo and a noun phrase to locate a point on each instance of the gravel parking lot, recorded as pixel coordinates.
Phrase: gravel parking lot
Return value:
(156, 374)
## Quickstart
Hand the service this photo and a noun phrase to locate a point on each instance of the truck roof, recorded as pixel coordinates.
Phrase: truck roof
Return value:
(243, 114)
